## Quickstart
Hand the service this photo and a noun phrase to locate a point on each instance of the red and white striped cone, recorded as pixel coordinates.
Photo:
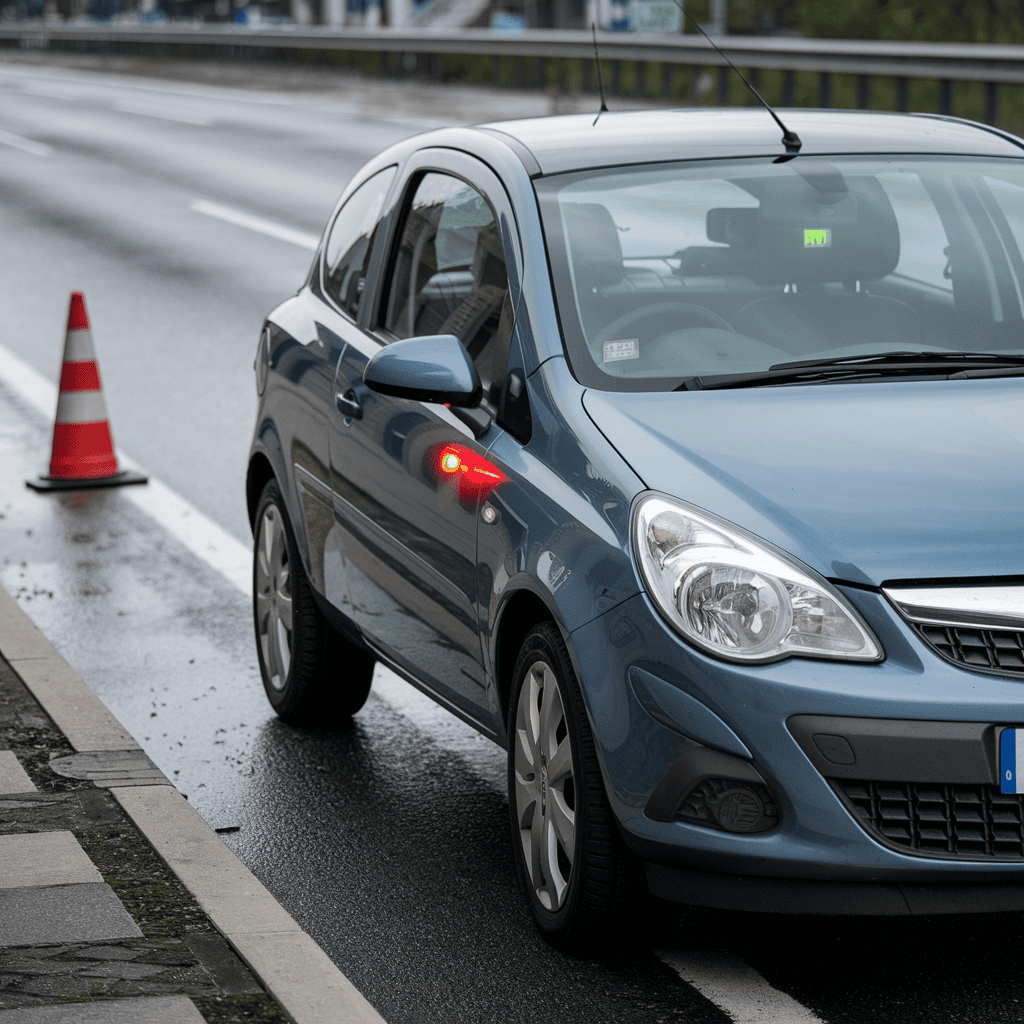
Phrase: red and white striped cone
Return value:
(83, 447)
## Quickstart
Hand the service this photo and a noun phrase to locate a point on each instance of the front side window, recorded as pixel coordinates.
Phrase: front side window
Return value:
(664, 273)
(448, 275)
(347, 255)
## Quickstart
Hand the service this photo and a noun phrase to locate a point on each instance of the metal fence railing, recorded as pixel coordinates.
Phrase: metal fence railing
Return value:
(947, 77)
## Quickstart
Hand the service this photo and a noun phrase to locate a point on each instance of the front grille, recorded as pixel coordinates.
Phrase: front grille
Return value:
(997, 650)
(974, 822)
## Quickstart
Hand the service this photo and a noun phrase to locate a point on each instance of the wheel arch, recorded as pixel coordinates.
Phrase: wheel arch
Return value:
(259, 474)
(520, 612)
(267, 462)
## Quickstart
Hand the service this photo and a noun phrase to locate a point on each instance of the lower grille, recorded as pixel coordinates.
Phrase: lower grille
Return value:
(998, 650)
(973, 822)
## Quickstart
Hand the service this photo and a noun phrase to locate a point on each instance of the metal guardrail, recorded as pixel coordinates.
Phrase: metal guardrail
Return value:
(948, 63)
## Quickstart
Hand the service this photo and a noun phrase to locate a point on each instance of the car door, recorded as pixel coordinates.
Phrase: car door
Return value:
(409, 476)
(339, 287)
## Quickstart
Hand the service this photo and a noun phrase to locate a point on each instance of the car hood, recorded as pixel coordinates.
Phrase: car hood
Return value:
(863, 482)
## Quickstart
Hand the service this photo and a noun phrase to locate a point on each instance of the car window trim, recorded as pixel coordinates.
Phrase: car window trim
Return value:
(419, 164)
(401, 209)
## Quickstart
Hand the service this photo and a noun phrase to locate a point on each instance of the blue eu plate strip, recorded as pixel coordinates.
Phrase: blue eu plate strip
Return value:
(1011, 761)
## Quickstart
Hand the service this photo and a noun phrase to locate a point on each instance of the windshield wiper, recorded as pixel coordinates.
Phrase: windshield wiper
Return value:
(888, 358)
(866, 367)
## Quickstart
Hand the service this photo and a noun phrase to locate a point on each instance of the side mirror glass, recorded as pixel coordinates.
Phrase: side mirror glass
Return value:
(432, 368)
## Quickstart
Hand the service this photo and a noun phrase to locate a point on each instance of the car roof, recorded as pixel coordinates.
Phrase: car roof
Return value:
(574, 141)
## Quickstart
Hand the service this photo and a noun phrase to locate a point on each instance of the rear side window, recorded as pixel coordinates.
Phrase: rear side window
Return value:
(348, 247)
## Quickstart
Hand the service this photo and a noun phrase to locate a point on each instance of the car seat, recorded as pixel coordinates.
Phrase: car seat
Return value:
(471, 320)
(822, 250)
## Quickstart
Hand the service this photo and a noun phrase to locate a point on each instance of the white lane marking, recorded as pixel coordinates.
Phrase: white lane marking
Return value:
(143, 109)
(254, 223)
(98, 83)
(25, 145)
(50, 90)
(37, 391)
(200, 534)
(233, 560)
(735, 987)
(721, 977)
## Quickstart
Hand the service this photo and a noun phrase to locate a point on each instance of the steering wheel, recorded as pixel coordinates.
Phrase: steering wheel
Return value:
(669, 311)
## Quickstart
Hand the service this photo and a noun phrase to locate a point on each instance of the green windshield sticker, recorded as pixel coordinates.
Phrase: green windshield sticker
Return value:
(817, 238)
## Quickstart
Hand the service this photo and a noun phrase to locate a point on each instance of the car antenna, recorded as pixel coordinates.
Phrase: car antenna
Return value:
(600, 77)
(789, 138)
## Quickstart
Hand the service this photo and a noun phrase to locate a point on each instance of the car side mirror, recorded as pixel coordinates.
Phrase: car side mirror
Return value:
(432, 368)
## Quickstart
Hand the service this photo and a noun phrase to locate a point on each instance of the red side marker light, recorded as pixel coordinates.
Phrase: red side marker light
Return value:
(473, 475)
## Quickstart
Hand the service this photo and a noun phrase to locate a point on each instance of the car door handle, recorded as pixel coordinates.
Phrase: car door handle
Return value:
(349, 405)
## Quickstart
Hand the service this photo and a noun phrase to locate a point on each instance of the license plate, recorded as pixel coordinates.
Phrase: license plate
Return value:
(1011, 761)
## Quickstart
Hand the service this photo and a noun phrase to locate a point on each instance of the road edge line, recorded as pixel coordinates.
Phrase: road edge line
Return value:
(80, 715)
(287, 961)
(182, 520)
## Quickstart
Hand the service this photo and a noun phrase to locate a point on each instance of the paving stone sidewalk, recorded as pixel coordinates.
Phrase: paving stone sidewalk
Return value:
(94, 927)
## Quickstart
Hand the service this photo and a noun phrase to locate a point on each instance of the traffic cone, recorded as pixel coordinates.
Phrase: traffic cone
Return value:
(83, 447)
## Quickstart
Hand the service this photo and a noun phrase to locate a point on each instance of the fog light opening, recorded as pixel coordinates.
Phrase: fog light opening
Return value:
(729, 805)
(739, 810)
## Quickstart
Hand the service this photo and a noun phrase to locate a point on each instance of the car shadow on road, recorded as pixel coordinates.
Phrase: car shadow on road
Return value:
(394, 853)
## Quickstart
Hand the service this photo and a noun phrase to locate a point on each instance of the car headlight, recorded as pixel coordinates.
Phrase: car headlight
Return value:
(739, 597)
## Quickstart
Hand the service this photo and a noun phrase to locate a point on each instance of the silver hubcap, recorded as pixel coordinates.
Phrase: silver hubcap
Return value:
(273, 598)
(545, 790)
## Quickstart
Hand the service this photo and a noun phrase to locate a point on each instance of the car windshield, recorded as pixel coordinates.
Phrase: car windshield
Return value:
(666, 272)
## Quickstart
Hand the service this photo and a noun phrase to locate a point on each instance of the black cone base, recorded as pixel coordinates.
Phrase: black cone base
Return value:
(52, 483)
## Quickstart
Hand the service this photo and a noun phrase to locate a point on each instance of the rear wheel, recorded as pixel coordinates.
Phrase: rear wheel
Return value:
(570, 857)
(311, 673)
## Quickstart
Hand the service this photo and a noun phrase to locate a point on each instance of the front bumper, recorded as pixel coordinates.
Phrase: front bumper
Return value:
(800, 896)
(941, 727)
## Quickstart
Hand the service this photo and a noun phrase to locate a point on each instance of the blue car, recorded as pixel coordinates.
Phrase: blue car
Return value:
(685, 461)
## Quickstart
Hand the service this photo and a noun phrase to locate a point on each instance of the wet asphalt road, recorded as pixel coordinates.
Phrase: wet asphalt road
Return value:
(388, 840)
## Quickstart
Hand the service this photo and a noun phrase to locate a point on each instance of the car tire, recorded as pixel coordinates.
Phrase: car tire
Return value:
(571, 861)
(311, 673)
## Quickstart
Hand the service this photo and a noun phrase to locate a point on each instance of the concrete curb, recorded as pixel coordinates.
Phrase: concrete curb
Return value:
(292, 967)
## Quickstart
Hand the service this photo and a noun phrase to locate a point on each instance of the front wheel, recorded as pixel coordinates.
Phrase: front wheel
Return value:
(570, 857)
(311, 673)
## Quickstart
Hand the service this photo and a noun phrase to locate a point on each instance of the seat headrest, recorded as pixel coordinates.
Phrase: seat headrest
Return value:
(489, 258)
(594, 245)
(803, 236)
(736, 227)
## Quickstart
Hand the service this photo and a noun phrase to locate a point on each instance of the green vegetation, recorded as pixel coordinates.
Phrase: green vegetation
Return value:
(247, 1009)
(954, 21)
(632, 83)
(162, 906)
